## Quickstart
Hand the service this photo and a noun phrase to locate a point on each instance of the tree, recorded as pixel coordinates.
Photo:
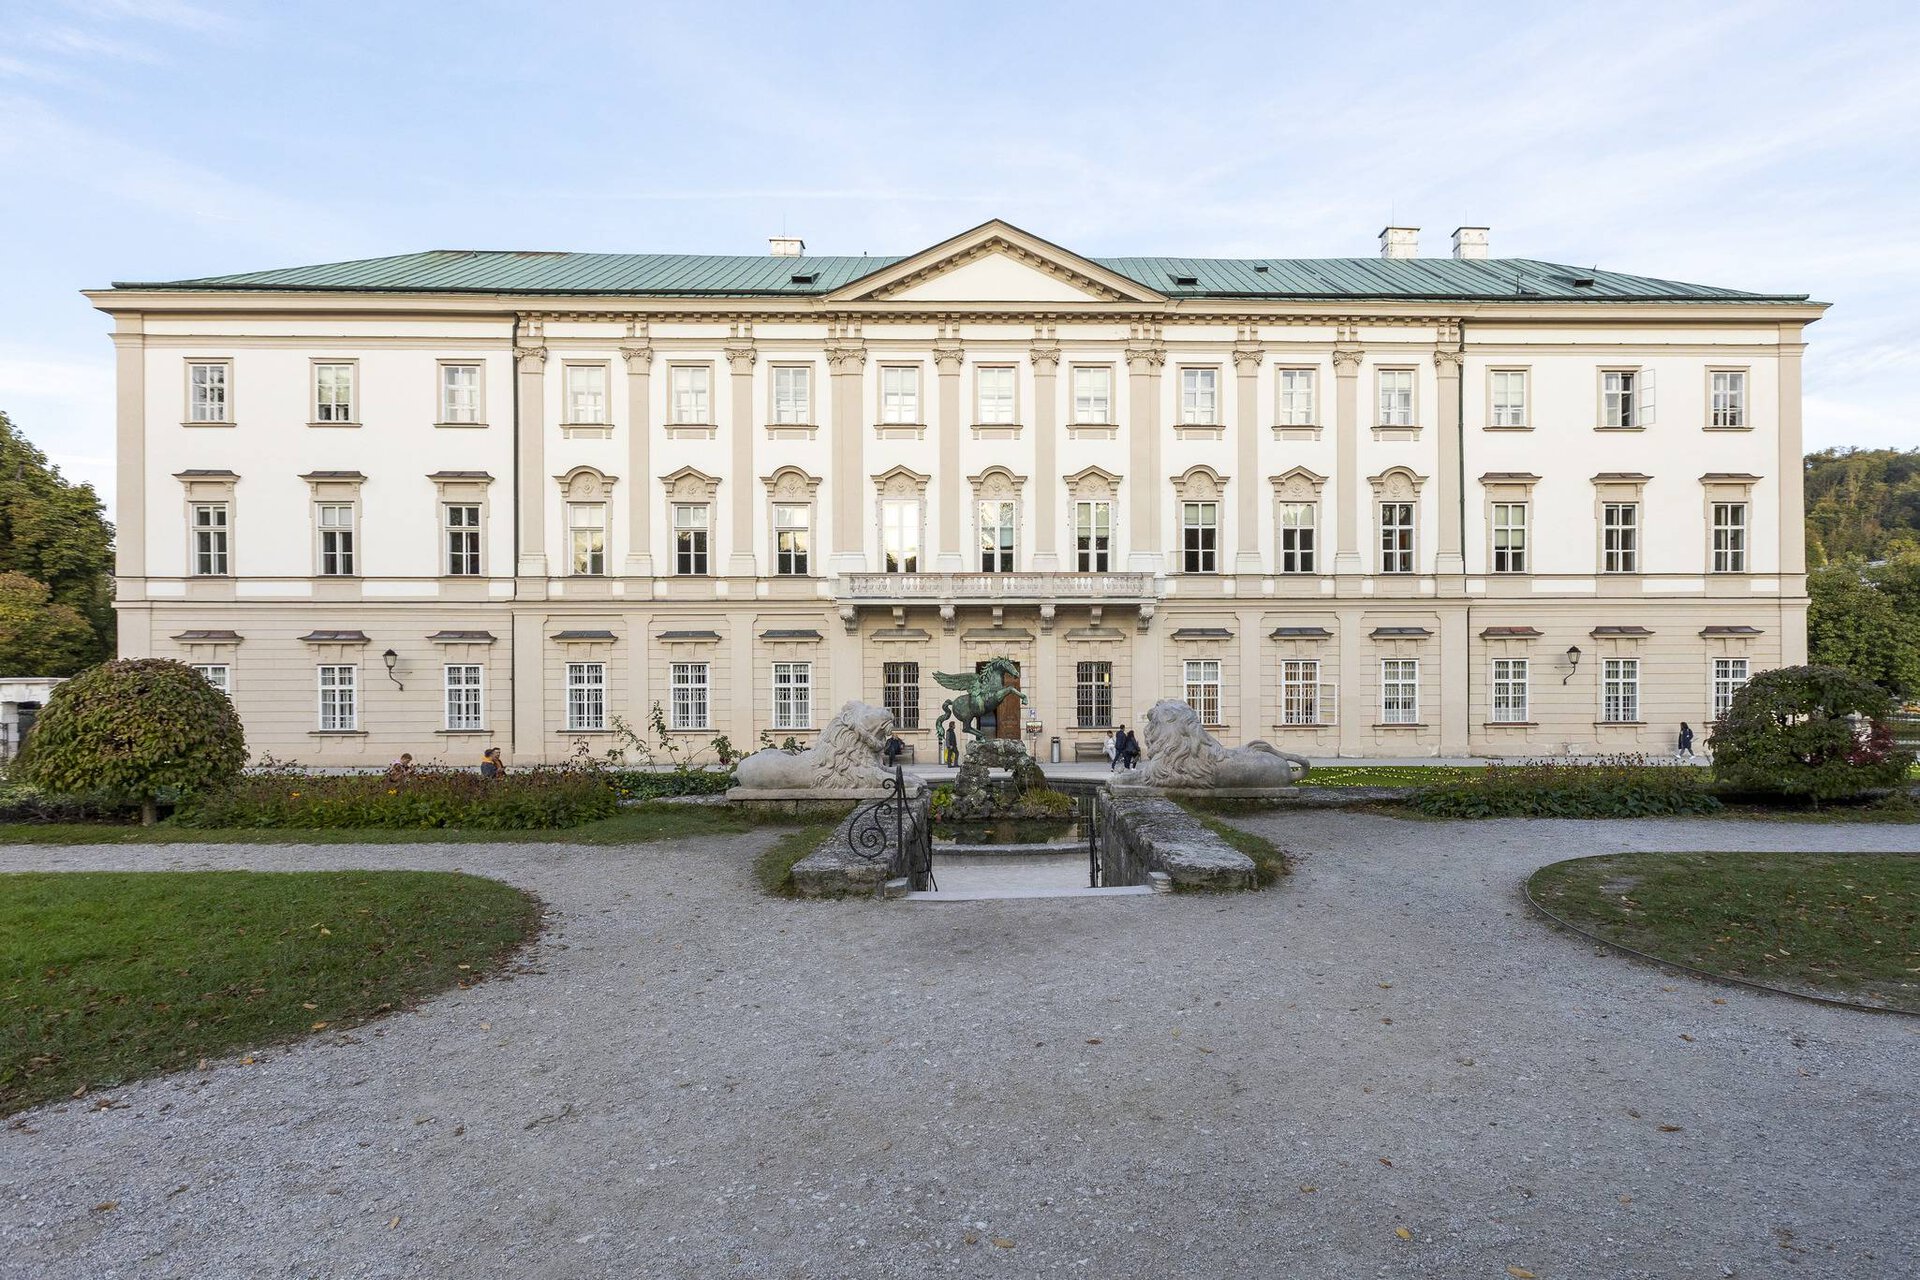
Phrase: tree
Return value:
(1856, 624)
(1817, 732)
(132, 729)
(37, 636)
(1862, 504)
(55, 532)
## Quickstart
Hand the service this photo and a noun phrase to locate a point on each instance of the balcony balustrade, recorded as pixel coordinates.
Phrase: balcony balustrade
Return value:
(995, 588)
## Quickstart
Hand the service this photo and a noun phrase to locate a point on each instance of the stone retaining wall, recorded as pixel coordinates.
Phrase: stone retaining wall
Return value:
(837, 870)
(1141, 833)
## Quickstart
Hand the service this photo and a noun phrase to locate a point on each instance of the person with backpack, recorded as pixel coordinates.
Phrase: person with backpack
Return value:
(1683, 748)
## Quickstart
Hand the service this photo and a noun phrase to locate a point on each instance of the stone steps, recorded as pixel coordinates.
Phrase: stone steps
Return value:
(984, 895)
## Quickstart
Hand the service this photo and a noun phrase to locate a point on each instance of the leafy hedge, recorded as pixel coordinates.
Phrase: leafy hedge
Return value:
(529, 800)
(656, 784)
(24, 802)
(1615, 787)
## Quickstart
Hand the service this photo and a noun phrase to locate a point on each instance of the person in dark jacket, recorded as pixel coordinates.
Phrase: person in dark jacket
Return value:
(1683, 749)
(1129, 748)
(953, 745)
(894, 748)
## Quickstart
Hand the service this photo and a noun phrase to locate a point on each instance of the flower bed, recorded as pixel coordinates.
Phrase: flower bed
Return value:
(531, 799)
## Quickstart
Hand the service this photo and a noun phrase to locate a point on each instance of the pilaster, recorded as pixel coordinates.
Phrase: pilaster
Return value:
(1449, 563)
(530, 385)
(1046, 493)
(1348, 563)
(846, 362)
(740, 555)
(1247, 558)
(528, 655)
(1144, 478)
(1456, 672)
(639, 559)
(130, 457)
(949, 357)
(1791, 516)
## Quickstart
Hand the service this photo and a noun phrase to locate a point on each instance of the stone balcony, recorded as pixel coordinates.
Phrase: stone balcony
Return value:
(994, 588)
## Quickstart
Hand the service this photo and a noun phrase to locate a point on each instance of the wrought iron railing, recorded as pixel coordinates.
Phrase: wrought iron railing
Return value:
(892, 834)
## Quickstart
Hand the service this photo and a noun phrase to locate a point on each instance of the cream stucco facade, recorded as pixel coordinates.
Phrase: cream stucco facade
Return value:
(749, 507)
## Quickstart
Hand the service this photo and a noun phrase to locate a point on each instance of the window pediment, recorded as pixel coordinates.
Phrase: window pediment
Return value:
(586, 484)
(1297, 485)
(690, 484)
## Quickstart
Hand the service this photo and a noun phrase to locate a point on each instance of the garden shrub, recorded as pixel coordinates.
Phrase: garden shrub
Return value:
(24, 802)
(656, 784)
(1817, 732)
(134, 729)
(528, 800)
(1613, 787)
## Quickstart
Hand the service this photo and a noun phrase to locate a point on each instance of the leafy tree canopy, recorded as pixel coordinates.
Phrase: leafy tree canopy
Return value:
(39, 637)
(55, 532)
(1817, 732)
(1862, 504)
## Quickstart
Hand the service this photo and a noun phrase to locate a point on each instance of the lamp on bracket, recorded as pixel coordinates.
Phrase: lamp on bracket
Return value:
(1573, 662)
(392, 660)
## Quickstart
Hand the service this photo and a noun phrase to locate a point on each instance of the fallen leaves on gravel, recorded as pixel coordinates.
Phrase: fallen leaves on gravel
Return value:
(1001, 1242)
(1520, 1273)
(106, 1206)
(1403, 1233)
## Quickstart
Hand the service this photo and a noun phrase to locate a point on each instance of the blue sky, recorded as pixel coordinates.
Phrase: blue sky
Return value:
(1772, 147)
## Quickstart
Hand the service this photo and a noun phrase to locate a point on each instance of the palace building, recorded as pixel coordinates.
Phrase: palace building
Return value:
(1390, 506)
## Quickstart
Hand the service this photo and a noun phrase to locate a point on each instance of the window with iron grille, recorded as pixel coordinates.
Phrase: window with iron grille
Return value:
(1729, 537)
(1092, 536)
(461, 683)
(1093, 695)
(1300, 691)
(1729, 677)
(793, 695)
(1620, 690)
(1297, 521)
(586, 696)
(900, 693)
(463, 538)
(1620, 537)
(687, 683)
(339, 704)
(690, 539)
(1509, 690)
(1400, 691)
(1203, 688)
(336, 538)
(1200, 537)
(333, 393)
(1509, 537)
(1396, 537)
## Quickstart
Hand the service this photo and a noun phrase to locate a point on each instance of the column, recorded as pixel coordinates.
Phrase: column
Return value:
(1347, 560)
(1144, 478)
(1449, 563)
(1247, 557)
(950, 558)
(530, 493)
(1046, 466)
(639, 561)
(740, 555)
(846, 361)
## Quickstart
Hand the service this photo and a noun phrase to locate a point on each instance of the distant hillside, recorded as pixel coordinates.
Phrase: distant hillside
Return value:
(1862, 504)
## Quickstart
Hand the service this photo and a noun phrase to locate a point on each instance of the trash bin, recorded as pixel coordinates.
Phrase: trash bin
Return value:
(1053, 755)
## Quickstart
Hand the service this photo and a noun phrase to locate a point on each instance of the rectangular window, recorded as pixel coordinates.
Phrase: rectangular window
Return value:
(690, 539)
(336, 538)
(333, 393)
(463, 538)
(459, 393)
(1093, 394)
(690, 385)
(587, 531)
(586, 394)
(210, 532)
(1729, 676)
(1297, 408)
(900, 693)
(1728, 396)
(1626, 398)
(1396, 537)
(1400, 691)
(792, 530)
(792, 393)
(339, 703)
(687, 686)
(1297, 528)
(1300, 691)
(217, 674)
(1509, 691)
(1729, 537)
(207, 383)
(1200, 537)
(900, 393)
(1093, 536)
(1620, 690)
(1509, 537)
(461, 683)
(993, 388)
(793, 695)
(1200, 395)
(1620, 537)
(1203, 688)
(1509, 397)
(1396, 397)
(586, 697)
(900, 535)
(1093, 695)
(996, 537)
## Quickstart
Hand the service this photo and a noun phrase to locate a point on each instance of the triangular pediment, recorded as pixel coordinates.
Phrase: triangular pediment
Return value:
(995, 262)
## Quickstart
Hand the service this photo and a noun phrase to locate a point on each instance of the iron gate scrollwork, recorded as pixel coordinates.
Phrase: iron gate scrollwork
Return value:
(1089, 815)
(892, 832)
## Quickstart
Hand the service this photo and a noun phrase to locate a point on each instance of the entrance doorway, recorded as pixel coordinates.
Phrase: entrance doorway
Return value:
(1002, 721)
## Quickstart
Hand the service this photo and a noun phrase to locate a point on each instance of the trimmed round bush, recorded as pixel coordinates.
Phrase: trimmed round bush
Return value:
(1814, 732)
(135, 728)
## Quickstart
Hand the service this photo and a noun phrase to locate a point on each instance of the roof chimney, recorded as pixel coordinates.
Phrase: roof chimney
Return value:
(786, 246)
(1469, 242)
(1400, 242)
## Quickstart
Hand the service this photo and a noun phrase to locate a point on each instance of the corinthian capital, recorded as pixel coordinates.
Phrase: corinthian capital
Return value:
(1146, 359)
(524, 354)
(1447, 360)
(1246, 358)
(1045, 357)
(949, 356)
(1346, 360)
(847, 357)
(639, 359)
(741, 355)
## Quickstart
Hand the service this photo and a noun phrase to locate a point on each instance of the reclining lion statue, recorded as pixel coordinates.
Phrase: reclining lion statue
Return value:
(1179, 753)
(847, 756)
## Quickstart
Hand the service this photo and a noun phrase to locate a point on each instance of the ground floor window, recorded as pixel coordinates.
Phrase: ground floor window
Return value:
(339, 703)
(461, 683)
(900, 693)
(1729, 675)
(217, 674)
(1509, 690)
(1400, 690)
(1203, 688)
(688, 683)
(1093, 695)
(793, 695)
(1300, 691)
(1620, 691)
(586, 697)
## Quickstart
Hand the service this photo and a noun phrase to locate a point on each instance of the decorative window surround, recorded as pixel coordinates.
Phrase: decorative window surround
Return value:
(792, 487)
(1094, 487)
(208, 393)
(690, 394)
(1509, 542)
(899, 430)
(1509, 398)
(997, 485)
(1729, 403)
(586, 399)
(580, 490)
(997, 430)
(333, 391)
(901, 485)
(210, 489)
(1203, 491)
(1297, 550)
(1296, 402)
(457, 538)
(1727, 511)
(1397, 485)
(902, 415)
(457, 382)
(1396, 402)
(1625, 398)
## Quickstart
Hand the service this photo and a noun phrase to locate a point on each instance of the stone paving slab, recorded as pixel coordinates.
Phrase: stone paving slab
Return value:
(694, 1080)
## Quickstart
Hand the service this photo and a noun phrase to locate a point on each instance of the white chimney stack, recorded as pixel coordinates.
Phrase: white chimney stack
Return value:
(1400, 242)
(1469, 242)
(786, 246)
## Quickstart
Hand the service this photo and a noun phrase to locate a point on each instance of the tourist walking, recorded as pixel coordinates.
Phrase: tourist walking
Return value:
(1683, 749)
(1129, 748)
(1111, 743)
(952, 752)
(491, 764)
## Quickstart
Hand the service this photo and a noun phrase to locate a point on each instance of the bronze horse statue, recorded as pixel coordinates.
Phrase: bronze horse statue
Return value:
(975, 696)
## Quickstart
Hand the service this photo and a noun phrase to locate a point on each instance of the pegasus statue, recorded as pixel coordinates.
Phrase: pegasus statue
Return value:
(975, 695)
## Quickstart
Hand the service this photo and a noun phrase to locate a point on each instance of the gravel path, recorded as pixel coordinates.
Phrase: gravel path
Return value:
(693, 1080)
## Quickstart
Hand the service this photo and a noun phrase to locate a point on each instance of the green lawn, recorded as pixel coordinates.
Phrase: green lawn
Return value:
(109, 976)
(629, 826)
(1386, 775)
(774, 867)
(1842, 925)
(1269, 861)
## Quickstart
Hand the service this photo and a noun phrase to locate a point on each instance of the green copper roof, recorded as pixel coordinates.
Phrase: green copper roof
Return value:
(710, 275)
